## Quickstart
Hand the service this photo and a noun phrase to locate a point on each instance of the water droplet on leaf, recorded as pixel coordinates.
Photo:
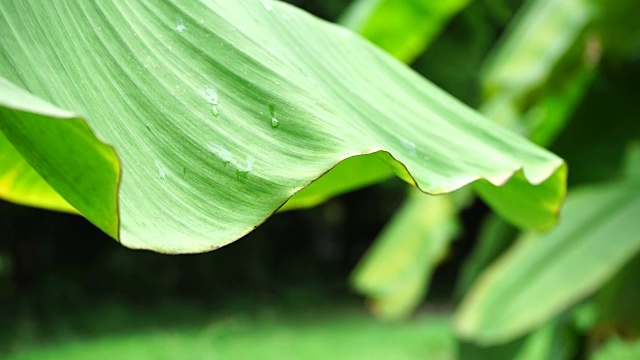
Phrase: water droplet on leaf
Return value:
(180, 26)
(162, 172)
(243, 171)
(250, 161)
(272, 111)
(409, 145)
(222, 153)
(267, 4)
(210, 94)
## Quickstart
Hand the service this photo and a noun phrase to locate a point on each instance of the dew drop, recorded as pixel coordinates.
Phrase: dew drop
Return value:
(242, 172)
(272, 111)
(409, 145)
(210, 94)
(180, 26)
(222, 153)
(250, 161)
(267, 4)
(162, 172)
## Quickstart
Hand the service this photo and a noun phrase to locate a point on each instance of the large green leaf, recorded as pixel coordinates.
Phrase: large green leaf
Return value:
(512, 200)
(221, 111)
(597, 234)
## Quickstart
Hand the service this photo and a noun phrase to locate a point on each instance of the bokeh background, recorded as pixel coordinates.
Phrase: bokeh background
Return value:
(282, 292)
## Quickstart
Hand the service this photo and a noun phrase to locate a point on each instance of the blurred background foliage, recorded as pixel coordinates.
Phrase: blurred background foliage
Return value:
(443, 277)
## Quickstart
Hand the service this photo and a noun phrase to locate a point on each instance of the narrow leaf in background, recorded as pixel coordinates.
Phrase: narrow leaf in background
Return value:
(402, 28)
(617, 349)
(494, 237)
(395, 272)
(538, 38)
(597, 234)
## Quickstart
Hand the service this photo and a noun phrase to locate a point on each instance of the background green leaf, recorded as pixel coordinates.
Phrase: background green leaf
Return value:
(403, 28)
(541, 67)
(597, 234)
(617, 349)
(395, 272)
(494, 237)
(536, 41)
